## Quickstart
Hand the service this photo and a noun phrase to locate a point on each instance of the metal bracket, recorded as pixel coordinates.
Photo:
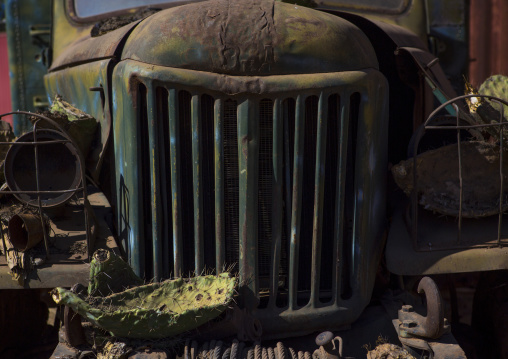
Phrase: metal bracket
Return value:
(434, 325)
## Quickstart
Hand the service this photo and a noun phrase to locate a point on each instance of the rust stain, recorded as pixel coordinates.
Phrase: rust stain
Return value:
(245, 146)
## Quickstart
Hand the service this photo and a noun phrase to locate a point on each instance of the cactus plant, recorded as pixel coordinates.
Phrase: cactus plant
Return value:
(496, 86)
(110, 274)
(156, 310)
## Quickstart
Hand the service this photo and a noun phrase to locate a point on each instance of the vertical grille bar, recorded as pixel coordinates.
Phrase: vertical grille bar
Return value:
(341, 187)
(248, 137)
(288, 111)
(138, 250)
(157, 221)
(220, 237)
(277, 157)
(231, 183)
(176, 206)
(165, 178)
(197, 184)
(319, 191)
(297, 200)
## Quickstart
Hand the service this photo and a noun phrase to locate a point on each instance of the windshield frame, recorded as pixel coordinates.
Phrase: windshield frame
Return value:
(376, 7)
(72, 13)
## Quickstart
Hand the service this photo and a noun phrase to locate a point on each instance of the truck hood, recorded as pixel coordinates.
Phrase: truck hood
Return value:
(243, 37)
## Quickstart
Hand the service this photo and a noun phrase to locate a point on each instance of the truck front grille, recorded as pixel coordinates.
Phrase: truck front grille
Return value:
(263, 185)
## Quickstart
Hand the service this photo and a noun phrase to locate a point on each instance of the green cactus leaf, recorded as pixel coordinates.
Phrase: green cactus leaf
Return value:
(156, 310)
(110, 274)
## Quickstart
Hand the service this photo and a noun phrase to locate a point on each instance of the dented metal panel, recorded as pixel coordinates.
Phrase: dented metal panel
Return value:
(77, 85)
(250, 38)
(88, 48)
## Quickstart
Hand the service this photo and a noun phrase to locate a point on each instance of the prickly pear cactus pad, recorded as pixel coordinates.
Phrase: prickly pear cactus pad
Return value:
(156, 310)
(497, 86)
(110, 274)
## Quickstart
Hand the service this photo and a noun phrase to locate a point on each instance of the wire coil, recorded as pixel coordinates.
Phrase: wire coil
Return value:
(216, 349)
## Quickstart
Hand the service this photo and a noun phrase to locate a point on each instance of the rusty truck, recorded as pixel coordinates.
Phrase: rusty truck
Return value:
(253, 136)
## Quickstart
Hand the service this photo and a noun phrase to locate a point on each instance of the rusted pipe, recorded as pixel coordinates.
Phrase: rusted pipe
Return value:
(25, 231)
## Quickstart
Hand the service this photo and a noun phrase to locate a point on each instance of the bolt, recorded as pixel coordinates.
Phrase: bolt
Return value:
(407, 308)
(409, 324)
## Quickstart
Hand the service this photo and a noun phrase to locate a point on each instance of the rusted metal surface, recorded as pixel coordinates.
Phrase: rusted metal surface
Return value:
(453, 238)
(368, 6)
(488, 35)
(411, 15)
(37, 189)
(64, 351)
(72, 42)
(481, 239)
(401, 258)
(431, 326)
(248, 155)
(444, 348)
(67, 267)
(247, 94)
(59, 168)
(236, 322)
(86, 87)
(25, 231)
(432, 332)
(223, 39)
(88, 49)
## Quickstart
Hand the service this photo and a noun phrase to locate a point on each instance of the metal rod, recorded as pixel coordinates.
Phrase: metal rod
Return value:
(294, 246)
(64, 133)
(443, 105)
(35, 142)
(340, 196)
(319, 192)
(220, 235)
(164, 178)
(464, 127)
(39, 201)
(461, 187)
(199, 255)
(501, 177)
(287, 167)
(174, 144)
(248, 154)
(77, 189)
(155, 194)
(277, 156)
(501, 124)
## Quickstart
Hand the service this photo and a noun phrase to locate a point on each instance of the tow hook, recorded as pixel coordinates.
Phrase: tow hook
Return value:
(434, 325)
(431, 333)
